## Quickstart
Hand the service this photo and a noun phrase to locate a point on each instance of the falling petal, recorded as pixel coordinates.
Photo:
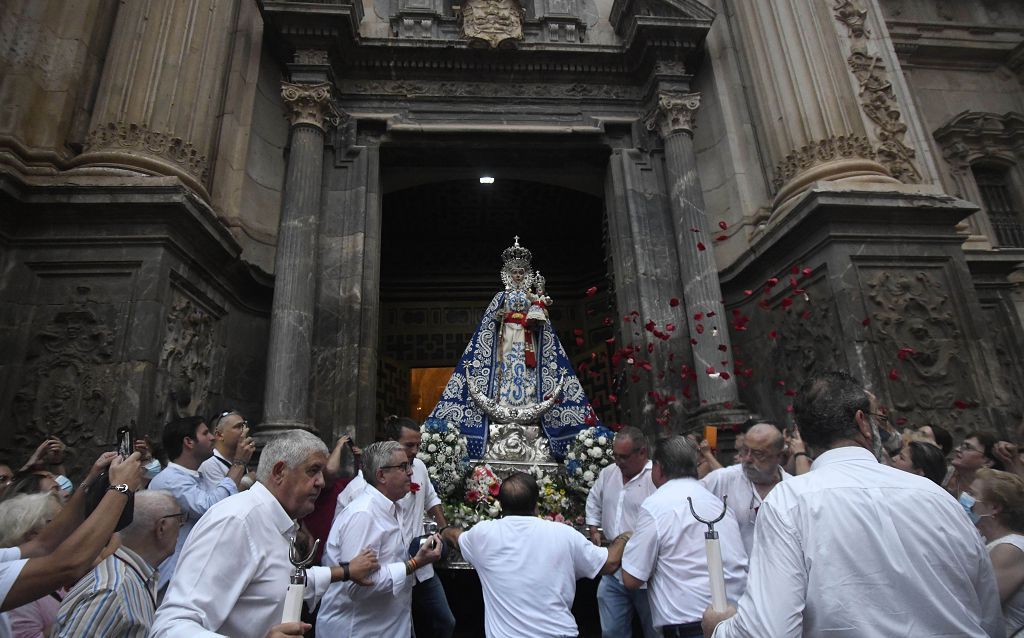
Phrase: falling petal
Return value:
(699, 328)
(579, 341)
(961, 405)
(673, 302)
(698, 316)
(723, 225)
(591, 291)
(723, 347)
(721, 237)
(894, 374)
(866, 322)
(905, 353)
(700, 246)
(773, 335)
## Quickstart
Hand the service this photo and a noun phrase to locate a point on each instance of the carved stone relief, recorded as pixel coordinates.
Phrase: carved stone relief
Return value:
(310, 104)
(916, 335)
(877, 98)
(311, 56)
(186, 359)
(673, 113)
(66, 383)
(833, 148)
(488, 90)
(492, 23)
(128, 135)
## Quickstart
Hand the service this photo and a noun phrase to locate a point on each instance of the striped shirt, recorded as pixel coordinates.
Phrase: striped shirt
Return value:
(117, 598)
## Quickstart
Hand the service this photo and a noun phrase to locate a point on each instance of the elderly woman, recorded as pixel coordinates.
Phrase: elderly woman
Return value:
(922, 458)
(21, 518)
(970, 456)
(995, 503)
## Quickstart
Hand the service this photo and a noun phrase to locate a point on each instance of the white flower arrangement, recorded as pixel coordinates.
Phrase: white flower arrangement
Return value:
(443, 450)
(588, 454)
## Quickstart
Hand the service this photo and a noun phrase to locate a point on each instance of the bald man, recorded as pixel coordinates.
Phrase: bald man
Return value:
(747, 483)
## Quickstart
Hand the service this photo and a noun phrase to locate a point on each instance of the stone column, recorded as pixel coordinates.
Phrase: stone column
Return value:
(808, 108)
(311, 111)
(159, 98)
(672, 118)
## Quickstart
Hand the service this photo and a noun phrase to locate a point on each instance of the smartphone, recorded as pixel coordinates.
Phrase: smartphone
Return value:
(125, 442)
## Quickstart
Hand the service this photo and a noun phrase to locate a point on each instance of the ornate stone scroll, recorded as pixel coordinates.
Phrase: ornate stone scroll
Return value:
(492, 23)
(310, 104)
(833, 148)
(674, 112)
(120, 136)
(185, 358)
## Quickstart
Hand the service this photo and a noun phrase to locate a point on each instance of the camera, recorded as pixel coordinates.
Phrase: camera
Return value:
(125, 442)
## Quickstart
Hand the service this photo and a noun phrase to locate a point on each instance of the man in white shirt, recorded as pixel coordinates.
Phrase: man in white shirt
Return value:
(529, 566)
(374, 520)
(430, 612)
(614, 504)
(188, 442)
(748, 483)
(857, 548)
(667, 549)
(229, 429)
(234, 568)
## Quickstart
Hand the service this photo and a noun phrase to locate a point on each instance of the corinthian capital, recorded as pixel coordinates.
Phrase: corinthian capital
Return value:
(674, 112)
(310, 104)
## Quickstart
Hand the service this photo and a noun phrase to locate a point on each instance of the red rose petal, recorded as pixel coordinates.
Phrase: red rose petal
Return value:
(747, 293)
(700, 246)
(960, 405)
(693, 342)
(723, 225)
(905, 352)
(710, 370)
(610, 341)
(698, 316)
(725, 375)
(699, 328)
(807, 272)
(673, 302)
(787, 302)
(773, 281)
(894, 374)
(607, 321)
(806, 314)
(866, 322)
(671, 327)
(723, 347)
(612, 398)
(773, 335)
(591, 291)
(721, 238)
(579, 341)
(577, 331)
(795, 270)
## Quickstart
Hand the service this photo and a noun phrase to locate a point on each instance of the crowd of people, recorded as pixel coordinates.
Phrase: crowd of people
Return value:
(836, 526)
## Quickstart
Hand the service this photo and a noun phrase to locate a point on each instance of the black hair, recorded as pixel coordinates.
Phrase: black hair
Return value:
(175, 433)
(988, 442)
(518, 495)
(393, 427)
(929, 459)
(826, 408)
(943, 438)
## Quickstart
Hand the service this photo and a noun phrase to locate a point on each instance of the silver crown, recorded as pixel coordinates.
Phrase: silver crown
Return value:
(517, 254)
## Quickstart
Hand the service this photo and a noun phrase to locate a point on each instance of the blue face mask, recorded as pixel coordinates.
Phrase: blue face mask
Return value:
(65, 483)
(967, 502)
(151, 469)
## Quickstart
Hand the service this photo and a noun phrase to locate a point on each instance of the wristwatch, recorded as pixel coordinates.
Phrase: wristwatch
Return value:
(122, 488)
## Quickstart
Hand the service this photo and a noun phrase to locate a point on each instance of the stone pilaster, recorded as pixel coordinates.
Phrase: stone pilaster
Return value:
(158, 103)
(286, 402)
(673, 119)
(808, 108)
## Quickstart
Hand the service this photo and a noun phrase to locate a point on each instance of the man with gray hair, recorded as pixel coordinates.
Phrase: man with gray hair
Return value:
(234, 569)
(667, 549)
(118, 597)
(747, 484)
(614, 504)
(374, 520)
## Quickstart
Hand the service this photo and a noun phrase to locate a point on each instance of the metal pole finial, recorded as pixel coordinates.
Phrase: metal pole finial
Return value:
(711, 533)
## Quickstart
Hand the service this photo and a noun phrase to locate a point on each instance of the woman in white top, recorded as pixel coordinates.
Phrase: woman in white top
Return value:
(995, 502)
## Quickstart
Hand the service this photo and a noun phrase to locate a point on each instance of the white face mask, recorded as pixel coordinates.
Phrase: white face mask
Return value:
(65, 483)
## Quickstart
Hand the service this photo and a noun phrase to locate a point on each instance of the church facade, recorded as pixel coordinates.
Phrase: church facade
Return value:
(276, 206)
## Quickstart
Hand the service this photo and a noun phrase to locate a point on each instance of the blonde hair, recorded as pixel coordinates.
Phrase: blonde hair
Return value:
(24, 514)
(1007, 490)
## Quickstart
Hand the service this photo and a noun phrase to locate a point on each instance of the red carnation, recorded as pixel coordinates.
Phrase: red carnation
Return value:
(414, 487)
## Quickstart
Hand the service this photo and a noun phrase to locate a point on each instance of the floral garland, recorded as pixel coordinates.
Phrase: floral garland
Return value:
(589, 453)
(443, 450)
(554, 501)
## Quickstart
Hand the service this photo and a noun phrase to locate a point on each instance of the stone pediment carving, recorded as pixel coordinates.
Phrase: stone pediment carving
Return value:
(973, 134)
(624, 12)
(492, 23)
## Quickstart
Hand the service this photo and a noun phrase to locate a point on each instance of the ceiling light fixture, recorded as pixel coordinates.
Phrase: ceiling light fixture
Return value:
(486, 180)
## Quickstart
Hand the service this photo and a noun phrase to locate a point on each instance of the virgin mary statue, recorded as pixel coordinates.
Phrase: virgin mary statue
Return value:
(514, 372)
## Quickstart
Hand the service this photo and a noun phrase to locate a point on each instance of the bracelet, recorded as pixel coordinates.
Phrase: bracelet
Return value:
(624, 536)
(237, 462)
(803, 454)
(345, 573)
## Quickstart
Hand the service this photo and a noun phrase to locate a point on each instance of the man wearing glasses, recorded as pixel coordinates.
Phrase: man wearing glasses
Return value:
(614, 504)
(858, 548)
(747, 484)
(230, 431)
(118, 597)
(374, 520)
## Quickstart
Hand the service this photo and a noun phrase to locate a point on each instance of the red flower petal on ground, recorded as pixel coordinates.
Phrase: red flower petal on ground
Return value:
(414, 487)
(591, 291)
(673, 302)
(700, 246)
(894, 374)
